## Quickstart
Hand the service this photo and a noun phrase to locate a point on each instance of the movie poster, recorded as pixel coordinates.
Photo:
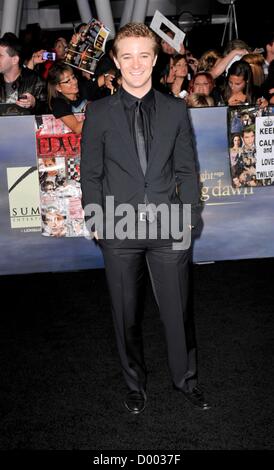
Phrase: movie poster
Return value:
(58, 156)
(251, 146)
(89, 48)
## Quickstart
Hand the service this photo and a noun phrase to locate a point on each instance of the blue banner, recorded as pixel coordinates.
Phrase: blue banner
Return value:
(238, 222)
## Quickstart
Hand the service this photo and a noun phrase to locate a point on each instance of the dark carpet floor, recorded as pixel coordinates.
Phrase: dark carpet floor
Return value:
(61, 385)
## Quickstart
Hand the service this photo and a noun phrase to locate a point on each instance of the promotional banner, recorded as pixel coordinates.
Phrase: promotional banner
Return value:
(24, 200)
(264, 143)
(251, 146)
(23, 248)
(58, 153)
(238, 221)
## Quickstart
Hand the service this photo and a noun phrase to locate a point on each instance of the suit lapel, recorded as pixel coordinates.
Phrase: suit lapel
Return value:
(159, 125)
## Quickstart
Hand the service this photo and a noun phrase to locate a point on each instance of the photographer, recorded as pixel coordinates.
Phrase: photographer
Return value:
(42, 60)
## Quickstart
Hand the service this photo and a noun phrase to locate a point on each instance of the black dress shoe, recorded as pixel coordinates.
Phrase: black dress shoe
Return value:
(135, 402)
(195, 397)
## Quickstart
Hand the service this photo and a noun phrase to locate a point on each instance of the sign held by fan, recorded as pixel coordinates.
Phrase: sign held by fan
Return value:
(167, 31)
(86, 48)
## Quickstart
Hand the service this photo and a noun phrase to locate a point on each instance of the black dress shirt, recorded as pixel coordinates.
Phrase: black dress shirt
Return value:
(148, 109)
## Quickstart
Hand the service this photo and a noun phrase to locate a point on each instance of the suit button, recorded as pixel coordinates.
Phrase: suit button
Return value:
(146, 185)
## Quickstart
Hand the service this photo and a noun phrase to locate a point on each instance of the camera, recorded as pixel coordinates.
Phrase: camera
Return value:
(183, 94)
(49, 55)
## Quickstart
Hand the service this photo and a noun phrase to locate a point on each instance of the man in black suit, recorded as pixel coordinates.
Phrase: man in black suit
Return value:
(137, 150)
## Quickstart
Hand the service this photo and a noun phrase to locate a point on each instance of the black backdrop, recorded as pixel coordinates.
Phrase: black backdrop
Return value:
(253, 22)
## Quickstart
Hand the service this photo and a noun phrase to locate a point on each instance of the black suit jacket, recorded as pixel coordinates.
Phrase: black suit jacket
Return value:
(110, 164)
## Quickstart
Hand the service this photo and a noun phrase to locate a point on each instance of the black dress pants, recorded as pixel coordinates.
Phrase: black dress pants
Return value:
(125, 265)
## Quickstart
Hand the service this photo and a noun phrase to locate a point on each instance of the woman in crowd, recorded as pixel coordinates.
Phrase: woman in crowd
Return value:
(181, 76)
(239, 88)
(203, 84)
(42, 65)
(256, 62)
(66, 96)
(60, 47)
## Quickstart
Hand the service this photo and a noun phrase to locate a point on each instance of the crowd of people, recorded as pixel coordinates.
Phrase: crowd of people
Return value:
(33, 84)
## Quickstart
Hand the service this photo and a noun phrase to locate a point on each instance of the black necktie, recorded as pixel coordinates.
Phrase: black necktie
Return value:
(140, 136)
(142, 153)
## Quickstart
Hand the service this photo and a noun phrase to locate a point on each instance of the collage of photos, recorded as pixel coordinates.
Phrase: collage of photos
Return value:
(242, 146)
(85, 53)
(62, 214)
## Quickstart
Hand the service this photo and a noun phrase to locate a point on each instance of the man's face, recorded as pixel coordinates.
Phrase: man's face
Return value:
(6, 62)
(249, 138)
(136, 58)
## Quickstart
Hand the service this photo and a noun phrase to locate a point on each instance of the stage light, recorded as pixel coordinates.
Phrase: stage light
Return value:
(186, 21)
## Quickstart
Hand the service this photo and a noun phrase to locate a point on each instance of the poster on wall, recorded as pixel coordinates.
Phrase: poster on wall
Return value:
(58, 161)
(251, 146)
(85, 51)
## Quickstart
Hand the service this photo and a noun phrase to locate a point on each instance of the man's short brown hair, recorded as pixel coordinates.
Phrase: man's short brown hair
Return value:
(135, 30)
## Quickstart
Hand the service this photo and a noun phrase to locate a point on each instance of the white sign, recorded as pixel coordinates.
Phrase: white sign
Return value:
(160, 23)
(265, 147)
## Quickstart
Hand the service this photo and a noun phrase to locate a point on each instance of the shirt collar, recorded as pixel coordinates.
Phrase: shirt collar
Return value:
(130, 100)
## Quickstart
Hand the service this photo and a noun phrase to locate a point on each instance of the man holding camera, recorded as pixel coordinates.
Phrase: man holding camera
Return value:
(19, 86)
